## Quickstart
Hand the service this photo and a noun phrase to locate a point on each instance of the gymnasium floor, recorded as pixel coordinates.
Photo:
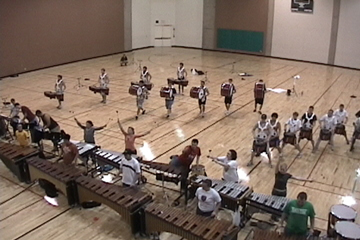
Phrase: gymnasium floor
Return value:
(25, 215)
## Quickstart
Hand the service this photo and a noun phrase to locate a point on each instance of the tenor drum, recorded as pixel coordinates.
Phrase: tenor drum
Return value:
(325, 135)
(341, 212)
(226, 90)
(347, 231)
(290, 138)
(165, 92)
(194, 92)
(50, 94)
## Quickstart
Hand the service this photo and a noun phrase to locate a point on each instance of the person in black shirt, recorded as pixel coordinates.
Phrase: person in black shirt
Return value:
(308, 123)
(281, 179)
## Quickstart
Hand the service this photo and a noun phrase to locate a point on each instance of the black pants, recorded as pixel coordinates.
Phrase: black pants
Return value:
(50, 189)
(201, 213)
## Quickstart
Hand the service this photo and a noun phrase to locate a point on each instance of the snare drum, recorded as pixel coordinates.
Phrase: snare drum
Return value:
(259, 147)
(96, 89)
(198, 170)
(306, 133)
(226, 90)
(133, 90)
(347, 231)
(340, 129)
(325, 135)
(165, 92)
(289, 138)
(194, 92)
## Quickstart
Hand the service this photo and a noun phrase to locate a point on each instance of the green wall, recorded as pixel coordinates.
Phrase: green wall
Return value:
(240, 40)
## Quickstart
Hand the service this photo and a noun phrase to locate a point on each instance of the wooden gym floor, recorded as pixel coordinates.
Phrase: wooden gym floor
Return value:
(25, 215)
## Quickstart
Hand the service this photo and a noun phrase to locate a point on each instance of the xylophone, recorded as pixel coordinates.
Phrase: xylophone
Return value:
(14, 157)
(103, 157)
(270, 204)
(85, 149)
(187, 225)
(232, 194)
(61, 175)
(128, 202)
(162, 171)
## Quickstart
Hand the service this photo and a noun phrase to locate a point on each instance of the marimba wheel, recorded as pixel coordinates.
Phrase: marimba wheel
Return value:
(175, 203)
(143, 179)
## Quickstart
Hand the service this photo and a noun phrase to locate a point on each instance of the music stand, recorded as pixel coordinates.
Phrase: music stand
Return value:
(139, 67)
(233, 68)
(79, 85)
(206, 78)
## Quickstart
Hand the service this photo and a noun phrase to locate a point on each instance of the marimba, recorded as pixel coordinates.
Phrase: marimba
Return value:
(105, 157)
(271, 235)
(14, 157)
(187, 225)
(232, 194)
(61, 175)
(128, 202)
(267, 203)
(85, 149)
(162, 171)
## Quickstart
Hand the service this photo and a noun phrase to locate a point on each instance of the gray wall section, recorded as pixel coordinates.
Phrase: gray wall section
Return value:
(37, 34)
(209, 33)
(270, 25)
(127, 25)
(334, 31)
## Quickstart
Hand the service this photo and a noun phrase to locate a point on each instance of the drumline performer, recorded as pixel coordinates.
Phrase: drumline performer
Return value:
(203, 93)
(60, 88)
(130, 138)
(33, 124)
(356, 134)
(228, 99)
(169, 101)
(275, 126)
(89, 130)
(14, 116)
(145, 75)
(327, 129)
(141, 95)
(291, 128)
(52, 125)
(259, 94)
(123, 60)
(104, 84)
(229, 165)
(308, 123)
(130, 169)
(261, 132)
(181, 75)
(185, 160)
(342, 117)
(208, 200)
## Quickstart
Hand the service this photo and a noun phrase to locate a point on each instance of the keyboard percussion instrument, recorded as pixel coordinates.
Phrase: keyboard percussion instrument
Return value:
(105, 157)
(267, 203)
(14, 157)
(232, 194)
(126, 201)
(61, 175)
(187, 225)
(162, 171)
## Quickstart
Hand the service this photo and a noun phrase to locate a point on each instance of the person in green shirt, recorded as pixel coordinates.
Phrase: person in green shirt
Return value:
(296, 214)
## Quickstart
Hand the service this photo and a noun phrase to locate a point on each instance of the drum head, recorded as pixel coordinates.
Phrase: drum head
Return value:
(343, 212)
(348, 230)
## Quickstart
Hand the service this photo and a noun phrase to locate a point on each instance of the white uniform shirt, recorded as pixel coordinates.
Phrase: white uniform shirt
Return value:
(231, 175)
(293, 125)
(180, 72)
(329, 122)
(130, 169)
(274, 130)
(104, 80)
(340, 116)
(59, 86)
(207, 200)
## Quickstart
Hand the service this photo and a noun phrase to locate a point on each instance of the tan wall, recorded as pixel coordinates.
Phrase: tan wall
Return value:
(249, 15)
(40, 33)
